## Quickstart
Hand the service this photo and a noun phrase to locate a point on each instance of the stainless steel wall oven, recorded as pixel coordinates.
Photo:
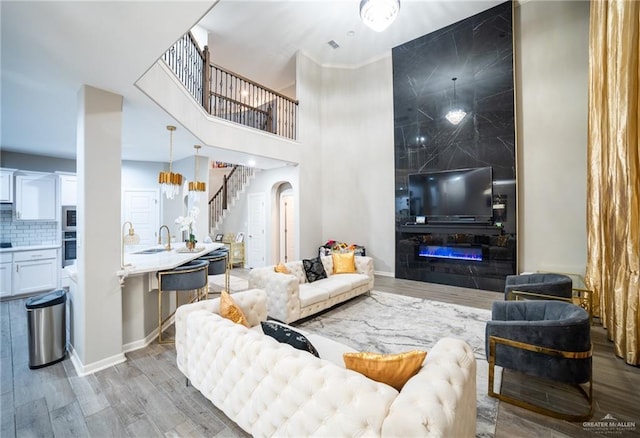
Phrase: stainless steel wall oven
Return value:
(68, 248)
(69, 218)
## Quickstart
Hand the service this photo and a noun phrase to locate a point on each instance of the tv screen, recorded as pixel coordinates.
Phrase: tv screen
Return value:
(462, 195)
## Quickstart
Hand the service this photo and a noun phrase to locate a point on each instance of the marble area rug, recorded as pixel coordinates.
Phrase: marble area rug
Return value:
(388, 323)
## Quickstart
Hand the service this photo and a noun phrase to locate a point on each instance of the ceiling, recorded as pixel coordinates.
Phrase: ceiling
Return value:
(50, 49)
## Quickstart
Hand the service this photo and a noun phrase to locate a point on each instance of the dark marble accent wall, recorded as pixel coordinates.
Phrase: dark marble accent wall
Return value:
(478, 51)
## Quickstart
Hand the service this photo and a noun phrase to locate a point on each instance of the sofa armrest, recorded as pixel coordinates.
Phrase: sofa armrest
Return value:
(252, 302)
(283, 293)
(364, 265)
(441, 399)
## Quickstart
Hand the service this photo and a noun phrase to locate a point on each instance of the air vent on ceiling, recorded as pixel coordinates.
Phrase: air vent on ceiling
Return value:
(333, 44)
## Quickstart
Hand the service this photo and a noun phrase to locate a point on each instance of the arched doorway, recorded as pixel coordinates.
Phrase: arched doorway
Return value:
(286, 228)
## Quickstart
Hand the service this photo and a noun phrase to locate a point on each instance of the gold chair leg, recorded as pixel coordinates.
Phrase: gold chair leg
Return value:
(159, 316)
(493, 341)
(161, 321)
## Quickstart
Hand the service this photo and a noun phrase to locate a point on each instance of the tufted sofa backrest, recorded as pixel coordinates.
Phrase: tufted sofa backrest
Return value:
(272, 389)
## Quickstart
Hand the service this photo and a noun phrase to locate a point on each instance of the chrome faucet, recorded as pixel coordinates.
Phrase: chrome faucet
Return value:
(168, 245)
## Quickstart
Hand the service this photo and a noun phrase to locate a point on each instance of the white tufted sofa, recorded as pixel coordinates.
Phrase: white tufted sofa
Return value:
(272, 389)
(291, 297)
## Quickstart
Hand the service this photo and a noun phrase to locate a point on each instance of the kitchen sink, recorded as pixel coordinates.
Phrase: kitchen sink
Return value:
(150, 251)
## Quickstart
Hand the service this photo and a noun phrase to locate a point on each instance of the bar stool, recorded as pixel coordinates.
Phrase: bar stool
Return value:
(190, 277)
(218, 265)
(218, 261)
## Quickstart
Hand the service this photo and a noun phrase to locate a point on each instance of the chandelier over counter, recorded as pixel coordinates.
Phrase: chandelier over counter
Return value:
(170, 182)
(379, 14)
(195, 186)
(455, 115)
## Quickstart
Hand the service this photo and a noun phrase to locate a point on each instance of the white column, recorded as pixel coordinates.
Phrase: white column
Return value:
(97, 301)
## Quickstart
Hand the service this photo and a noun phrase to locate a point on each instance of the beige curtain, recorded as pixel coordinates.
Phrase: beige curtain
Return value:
(613, 183)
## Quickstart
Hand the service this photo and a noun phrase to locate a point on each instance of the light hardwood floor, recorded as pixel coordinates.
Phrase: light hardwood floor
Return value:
(146, 396)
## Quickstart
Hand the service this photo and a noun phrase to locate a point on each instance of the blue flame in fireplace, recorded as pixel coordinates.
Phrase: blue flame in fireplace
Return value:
(450, 252)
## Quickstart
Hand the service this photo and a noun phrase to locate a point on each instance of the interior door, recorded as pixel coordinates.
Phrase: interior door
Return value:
(141, 207)
(255, 234)
(287, 227)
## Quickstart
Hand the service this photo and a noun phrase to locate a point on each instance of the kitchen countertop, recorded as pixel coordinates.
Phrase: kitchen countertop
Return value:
(30, 248)
(144, 263)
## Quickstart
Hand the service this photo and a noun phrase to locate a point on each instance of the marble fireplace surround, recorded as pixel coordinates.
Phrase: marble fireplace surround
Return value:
(478, 51)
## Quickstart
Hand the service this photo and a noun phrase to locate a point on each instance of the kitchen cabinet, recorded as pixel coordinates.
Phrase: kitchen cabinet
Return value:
(68, 189)
(35, 271)
(6, 185)
(5, 274)
(35, 197)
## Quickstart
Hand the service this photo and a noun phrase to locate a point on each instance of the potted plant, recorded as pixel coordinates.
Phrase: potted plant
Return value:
(186, 224)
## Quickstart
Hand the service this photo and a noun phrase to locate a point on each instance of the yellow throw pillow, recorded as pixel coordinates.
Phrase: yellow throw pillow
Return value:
(281, 268)
(230, 310)
(392, 369)
(344, 262)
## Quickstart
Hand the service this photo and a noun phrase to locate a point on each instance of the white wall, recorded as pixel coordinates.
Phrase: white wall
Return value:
(309, 194)
(141, 174)
(552, 81)
(357, 162)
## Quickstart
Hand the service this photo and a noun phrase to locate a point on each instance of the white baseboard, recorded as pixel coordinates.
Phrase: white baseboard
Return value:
(385, 274)
(85, 370)
(141, 343)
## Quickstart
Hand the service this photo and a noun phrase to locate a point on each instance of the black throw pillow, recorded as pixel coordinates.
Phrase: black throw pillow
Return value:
(285, 335)
(314, 269)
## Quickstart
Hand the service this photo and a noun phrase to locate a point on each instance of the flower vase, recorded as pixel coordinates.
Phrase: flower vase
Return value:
(190, 245)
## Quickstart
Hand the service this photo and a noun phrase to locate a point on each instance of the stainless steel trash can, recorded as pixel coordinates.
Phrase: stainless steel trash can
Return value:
(46, 327)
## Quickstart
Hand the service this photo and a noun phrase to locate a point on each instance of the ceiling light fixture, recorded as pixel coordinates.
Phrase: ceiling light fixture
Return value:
(379, 14)
(455, 115)
(170, 182)
(195, 186)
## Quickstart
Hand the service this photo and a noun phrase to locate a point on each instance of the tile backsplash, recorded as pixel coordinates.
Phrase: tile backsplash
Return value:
(26, 233)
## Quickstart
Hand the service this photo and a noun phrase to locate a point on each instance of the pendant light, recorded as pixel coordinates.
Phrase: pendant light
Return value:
(170, 182)
(127, 239)
(196, 187)
(455, 115)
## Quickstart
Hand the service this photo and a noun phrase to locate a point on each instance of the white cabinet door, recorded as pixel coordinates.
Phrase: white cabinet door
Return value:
(5, 279)
(35, 276)
(36, 197)
(6, 186)
(68, 190)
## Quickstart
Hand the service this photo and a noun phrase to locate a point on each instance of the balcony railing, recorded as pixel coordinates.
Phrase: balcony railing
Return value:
(227, 95)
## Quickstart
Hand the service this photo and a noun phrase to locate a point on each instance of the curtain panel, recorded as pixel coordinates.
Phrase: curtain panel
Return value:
(613, 181)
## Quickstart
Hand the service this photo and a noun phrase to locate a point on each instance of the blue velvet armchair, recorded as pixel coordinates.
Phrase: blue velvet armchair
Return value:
(538, 285)
(547, 339)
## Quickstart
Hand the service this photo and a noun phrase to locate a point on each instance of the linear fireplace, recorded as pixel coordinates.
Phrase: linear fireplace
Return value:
(450, 252)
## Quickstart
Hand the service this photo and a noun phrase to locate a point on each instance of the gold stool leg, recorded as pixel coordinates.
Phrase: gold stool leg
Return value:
(159, 315)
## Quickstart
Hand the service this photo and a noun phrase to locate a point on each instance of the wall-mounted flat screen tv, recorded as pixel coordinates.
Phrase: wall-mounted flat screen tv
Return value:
(461, 195)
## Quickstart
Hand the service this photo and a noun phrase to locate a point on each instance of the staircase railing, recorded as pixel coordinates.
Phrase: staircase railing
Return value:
(228, 95)
(231, 185)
